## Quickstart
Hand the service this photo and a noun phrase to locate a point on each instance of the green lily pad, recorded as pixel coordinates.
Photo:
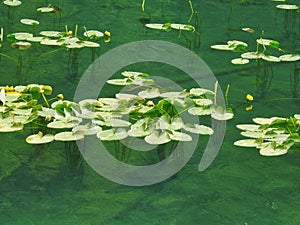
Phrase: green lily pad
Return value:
(11, 127)
(222, 47)
(198, 129)
(91, 33)
(199, 111)
(248, 127)
(239, 61)
(157, 26)
(289, 57)
(12, 2)
(68, 136)
(179, 136)
(287, 7)
(149, 93)
(50, 33)
(251, 55)
(90, 44)
(246, 143)
(45, 9)
(112, 134)
(39, 138)
(29, 22)
(182, 27)
(200, 91)
(157, 138)
(270, 58)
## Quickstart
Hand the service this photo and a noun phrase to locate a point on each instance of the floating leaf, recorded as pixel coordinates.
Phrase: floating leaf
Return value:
(112, 134)
(157, 26)
(46, 9)
(247, 143)
(223, 47)
(12, 2)
(252, 55)
(289, 57)
(179, 136)
(182, 27)
(248, 127)
(39, 138)
(29, 22)
(200, 91)
(287, 7)
(157, 138)
(239, 61)
(149, 93)
(270, 58)
(68, 136)
(198, 129)
(93, 33)
(199, 111)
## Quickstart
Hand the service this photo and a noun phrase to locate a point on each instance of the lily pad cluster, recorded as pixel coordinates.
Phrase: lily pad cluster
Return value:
(151, 113)
(272, 136)
(263, 51)
(170, 26)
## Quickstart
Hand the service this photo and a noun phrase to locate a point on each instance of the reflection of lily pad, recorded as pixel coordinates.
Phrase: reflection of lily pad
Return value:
(39, 138)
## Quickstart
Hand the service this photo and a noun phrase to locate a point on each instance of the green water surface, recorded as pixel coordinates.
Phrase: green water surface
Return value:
(51, 185)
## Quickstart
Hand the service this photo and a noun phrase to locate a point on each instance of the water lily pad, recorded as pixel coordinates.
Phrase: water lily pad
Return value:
(112, 134)
(35, 39)
(12, 2)
(199, 111)
(287, 7)
(90, 44)
(179, 136)
(223, 47)
(45, 9)
(157, 138)
(149, 93)
(11, 127)
(267, 42)
(253, 134)
(200, 91)
(68, 136)
(22, 36)
(270, 149)
(91, 33)
(247, 143)
(46, 41)
(157, 26)
(219, 113)
(289, 57)
(251, 55)
(39, 138)
(182, 27)
(50, 33)
(119, 82)
(29, 22)
(124, 96)
(25, 112)
(22, 45)
(266, 120)
(235, 43)
(87, 129)
(203, 102)
(198, 129)
(63, 124)
(270, 58)
(75, 45)
(239, 61)
(248, 127)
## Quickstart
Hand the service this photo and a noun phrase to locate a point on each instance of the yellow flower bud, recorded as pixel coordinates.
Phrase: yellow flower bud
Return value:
(249, 107)
(150, 103)
(107, 33)
(107, 40)
(249, 97)
(48, 118)
(9, 89)
(60, 96)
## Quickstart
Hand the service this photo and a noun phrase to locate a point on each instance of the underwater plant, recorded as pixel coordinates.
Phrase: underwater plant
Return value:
(272, 136)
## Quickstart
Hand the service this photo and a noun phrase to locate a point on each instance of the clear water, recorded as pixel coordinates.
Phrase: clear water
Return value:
(40, 185)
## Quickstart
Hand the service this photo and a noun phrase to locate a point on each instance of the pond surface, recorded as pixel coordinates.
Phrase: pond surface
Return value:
(52, 185)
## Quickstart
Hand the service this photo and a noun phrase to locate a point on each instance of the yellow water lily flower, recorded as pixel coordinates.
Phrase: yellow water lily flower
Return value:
(249, 97)
(60, 96)
(107, 33)
(249, 107)
(107, 40)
